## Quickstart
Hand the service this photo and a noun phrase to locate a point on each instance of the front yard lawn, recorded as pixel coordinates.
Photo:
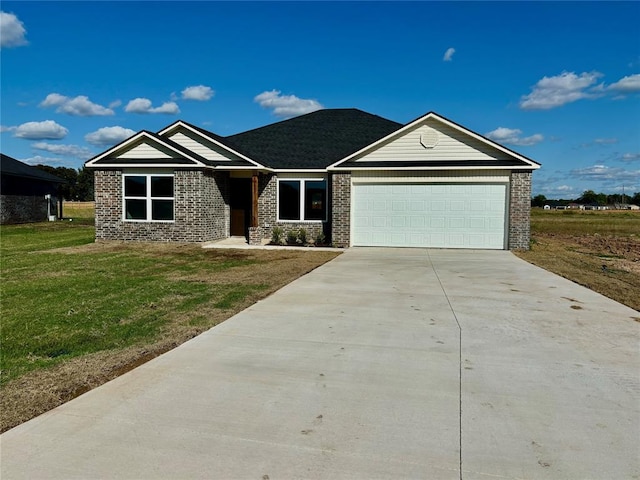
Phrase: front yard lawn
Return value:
(76, 313)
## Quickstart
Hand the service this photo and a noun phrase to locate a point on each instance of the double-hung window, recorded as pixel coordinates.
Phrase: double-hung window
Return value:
(302, 200)
(148, 197)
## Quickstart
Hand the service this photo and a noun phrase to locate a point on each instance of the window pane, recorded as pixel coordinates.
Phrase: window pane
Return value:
(162, 209)
(315, 196)
(135, 186)
(289, 200)
(136, 209)
(162, 186)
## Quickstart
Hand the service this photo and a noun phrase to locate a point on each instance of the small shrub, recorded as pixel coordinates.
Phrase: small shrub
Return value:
(292, 237)
(302, 236)
(320, 239)
(277, 235)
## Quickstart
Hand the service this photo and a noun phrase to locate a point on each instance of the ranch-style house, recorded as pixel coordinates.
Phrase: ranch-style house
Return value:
(360, 179)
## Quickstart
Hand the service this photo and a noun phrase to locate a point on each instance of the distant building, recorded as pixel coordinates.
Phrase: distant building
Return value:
(27, 194)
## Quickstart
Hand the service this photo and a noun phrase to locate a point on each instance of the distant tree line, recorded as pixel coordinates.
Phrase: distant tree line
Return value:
(80, 182)
(589, 197)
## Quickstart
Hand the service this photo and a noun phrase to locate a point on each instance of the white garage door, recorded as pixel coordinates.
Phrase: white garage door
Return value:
(429, 215)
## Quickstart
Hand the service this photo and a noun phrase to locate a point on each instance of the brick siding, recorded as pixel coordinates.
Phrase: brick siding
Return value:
(340, 209)
(201, 209)
(520, 210)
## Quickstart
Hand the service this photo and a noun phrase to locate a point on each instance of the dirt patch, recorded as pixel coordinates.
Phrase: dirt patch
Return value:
(609, 265)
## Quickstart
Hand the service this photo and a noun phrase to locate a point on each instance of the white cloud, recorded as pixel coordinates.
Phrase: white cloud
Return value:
(198, 92)
(286, 105)
(628, 84)
(76, 151)
(108, 135)
(5, 129)
(552, 92)
(80, 106)
(606, 174)
(448, 55)
(605, 141)
(47, 130)
(143, 105)
(556, 191)
(512, 136)
(12, 31)
(115, 104)
(630, 157)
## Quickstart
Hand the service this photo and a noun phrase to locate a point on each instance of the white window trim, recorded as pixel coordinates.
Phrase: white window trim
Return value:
(302, 198)
(148, 198)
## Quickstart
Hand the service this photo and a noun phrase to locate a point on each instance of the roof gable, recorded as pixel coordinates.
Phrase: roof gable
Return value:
(146, 149)
(431, 142)
(314, 140)
(213, 147)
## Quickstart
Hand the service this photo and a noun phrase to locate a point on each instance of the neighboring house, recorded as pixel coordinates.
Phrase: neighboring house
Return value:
(360, 179)
(28, 194)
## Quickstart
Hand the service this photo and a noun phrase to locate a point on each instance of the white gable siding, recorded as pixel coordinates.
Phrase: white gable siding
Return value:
(451, 145)
(202, 147)
(144, 150)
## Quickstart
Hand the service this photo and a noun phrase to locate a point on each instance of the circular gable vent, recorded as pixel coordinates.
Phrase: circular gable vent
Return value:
(429, 137)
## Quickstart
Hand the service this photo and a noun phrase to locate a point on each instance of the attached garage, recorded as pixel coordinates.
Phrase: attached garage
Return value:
(434, 183)
(456, 215)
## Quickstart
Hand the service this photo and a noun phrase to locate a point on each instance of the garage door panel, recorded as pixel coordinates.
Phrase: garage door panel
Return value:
(433, 215)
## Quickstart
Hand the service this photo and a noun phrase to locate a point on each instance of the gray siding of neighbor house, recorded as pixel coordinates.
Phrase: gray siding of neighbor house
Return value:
(268, 211)
(519, 210)
(26, 208)
(201, 209)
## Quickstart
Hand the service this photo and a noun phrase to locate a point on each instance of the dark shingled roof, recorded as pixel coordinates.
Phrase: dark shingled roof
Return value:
(314, 140)
(16, 168)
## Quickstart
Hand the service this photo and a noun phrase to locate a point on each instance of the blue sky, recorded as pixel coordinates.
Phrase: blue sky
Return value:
(557, 82)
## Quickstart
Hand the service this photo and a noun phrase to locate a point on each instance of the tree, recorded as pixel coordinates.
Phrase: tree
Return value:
(589, 197)
(79, 184)
(539, 201)
(636, 198)
(84, 187)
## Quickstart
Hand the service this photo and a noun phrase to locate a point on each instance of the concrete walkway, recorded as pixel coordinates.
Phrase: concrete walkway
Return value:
(384, 363)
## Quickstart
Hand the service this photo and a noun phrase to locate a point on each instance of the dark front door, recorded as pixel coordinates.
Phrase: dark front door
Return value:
(240, 202)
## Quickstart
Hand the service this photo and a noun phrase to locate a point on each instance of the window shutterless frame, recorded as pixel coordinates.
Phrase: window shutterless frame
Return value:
(148, 197)
(302, 200)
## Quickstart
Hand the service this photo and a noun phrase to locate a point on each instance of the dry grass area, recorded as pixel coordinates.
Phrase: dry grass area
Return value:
(600, 250)
(194, 290)
(80, 210)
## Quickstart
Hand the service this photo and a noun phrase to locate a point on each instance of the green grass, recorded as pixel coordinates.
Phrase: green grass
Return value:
(59, 305)
(576, 222)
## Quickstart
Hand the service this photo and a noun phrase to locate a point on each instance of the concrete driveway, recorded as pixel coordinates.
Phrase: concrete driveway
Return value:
(384, 363)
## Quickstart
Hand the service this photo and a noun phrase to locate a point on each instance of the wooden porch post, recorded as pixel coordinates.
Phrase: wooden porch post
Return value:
(254, 200)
